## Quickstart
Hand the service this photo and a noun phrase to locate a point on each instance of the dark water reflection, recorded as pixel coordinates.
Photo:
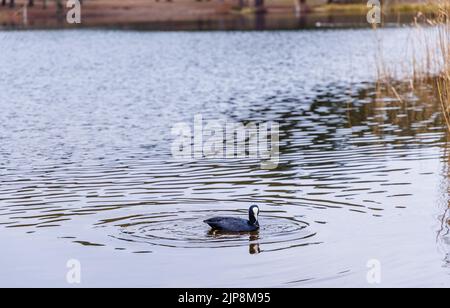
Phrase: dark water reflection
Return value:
(86, 168)
(220, 22)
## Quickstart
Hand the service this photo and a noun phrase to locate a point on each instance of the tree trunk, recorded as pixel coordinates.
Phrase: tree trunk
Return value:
(300, 7)
(259, 3)
(30, 3)
(12, 3)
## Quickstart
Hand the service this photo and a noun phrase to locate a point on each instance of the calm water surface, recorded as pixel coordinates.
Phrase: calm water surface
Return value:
(87, 174)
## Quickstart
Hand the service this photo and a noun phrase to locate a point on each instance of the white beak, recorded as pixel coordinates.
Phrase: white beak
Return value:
(256, 212)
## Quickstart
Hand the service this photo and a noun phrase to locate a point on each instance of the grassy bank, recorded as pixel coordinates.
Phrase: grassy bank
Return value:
(397, 8)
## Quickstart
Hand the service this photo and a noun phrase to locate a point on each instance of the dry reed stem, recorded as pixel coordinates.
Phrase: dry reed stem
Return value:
(434, 68)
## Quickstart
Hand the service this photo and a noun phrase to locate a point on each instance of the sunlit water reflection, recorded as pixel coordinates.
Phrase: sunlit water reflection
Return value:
(86, 170)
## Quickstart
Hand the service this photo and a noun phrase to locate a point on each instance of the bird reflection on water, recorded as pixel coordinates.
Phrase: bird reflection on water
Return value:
(253, 237)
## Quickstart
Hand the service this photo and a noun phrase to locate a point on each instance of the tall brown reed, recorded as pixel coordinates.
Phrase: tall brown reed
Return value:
(432, 69)
(443, 83)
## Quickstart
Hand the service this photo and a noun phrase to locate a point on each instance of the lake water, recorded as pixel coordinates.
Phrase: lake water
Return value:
(87, 172)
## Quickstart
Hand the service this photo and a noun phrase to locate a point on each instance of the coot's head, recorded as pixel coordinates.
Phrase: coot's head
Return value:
(253, 213)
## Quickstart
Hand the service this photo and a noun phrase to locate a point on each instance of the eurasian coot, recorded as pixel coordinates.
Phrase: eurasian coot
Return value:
(232, 224)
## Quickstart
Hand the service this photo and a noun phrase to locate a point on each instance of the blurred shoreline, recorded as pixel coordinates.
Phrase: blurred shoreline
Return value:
(192, 15)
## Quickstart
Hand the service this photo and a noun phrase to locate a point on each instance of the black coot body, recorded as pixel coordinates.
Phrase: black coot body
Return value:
(232, 224)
